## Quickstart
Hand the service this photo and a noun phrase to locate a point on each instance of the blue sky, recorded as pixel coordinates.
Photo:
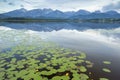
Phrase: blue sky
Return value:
(63, 5)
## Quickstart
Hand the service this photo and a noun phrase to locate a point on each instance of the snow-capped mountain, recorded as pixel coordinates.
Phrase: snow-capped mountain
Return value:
(49, 14)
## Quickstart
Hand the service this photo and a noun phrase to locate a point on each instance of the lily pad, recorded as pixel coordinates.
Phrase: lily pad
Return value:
(103, 79)
(106, 62)
(83, 69)
(106, 70)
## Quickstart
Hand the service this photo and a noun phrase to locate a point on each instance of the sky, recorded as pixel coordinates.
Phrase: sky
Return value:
(63, 5)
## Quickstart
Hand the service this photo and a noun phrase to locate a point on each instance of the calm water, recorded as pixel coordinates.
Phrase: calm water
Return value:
(100, 41)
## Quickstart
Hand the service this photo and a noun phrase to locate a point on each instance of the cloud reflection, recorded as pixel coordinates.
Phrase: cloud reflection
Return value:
(89, 40)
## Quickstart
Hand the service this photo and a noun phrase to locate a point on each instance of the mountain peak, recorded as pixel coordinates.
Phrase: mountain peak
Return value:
(112, 12)
(22, 9)
(49, 13)
(47, 9)
(83, 12)
(97, 11)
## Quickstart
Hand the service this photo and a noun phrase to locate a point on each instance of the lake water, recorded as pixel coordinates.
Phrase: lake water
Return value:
(100, 41)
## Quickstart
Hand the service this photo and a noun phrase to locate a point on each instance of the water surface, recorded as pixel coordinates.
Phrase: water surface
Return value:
(100, 41)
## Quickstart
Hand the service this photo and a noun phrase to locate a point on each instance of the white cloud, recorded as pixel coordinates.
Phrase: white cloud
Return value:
(68, 5)
(112, 6)
(64, 5)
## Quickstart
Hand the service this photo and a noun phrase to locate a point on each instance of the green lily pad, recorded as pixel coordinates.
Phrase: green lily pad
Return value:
(106, 62)
(106, 70)
(103, 79)
(83, 69)
(83, 77)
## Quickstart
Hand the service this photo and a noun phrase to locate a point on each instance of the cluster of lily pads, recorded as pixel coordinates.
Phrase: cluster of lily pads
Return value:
(42, 63)
(24, 56)
(106, 70)
(45, 62)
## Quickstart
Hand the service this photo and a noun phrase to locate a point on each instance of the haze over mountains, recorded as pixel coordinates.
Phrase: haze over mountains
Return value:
(57, 14)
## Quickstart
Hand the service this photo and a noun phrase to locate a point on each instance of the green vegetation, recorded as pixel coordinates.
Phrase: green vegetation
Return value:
(104, 20)
(42, 63)
(33, 59)
(24, 20)
(106, 70)
(106, 62)
(103, 79)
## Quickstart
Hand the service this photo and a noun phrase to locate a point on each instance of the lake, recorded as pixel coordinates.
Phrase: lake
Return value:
(100, 42)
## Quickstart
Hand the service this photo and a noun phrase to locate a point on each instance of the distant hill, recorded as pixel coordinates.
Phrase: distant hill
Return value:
(56, 14)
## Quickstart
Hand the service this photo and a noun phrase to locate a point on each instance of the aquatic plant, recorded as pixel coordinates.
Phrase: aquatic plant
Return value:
(106, 62)
(106, 70)
(103, 79)
(83, 69)
(44, 62)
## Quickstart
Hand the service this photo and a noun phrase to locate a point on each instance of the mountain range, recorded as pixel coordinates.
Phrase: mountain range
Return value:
(57, 14)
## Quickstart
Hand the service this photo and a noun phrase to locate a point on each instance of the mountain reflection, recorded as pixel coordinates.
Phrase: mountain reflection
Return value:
(50, 26)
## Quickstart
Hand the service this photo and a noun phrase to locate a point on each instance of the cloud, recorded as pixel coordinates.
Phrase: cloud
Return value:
(21, 6)
(12, 4)
(68, 5)
(63, 5)
(4, 0)
(112, 6)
